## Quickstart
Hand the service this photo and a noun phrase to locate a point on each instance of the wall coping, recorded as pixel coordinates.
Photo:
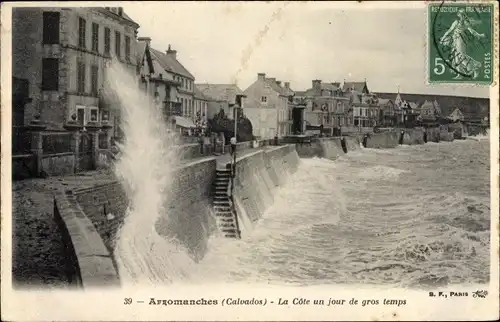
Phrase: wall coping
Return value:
(53, 155)
(269, 149)
(95, 262)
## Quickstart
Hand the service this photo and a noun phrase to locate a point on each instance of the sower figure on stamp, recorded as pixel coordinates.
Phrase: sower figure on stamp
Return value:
(455, 38)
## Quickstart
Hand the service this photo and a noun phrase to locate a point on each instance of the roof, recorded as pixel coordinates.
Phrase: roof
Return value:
(324, 87)
(275, 87)
(199, 94)
(170, 64)
(356, 97)
(428, 104)
(124, 15)
(413, 105)
(288, 91)
(220, 92)
(358, 86)
(383, 101)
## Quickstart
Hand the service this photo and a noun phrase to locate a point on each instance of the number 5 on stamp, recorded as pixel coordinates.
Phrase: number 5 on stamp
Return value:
(460, 43)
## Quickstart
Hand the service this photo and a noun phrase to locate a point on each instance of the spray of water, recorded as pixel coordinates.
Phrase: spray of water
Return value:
(144, 168)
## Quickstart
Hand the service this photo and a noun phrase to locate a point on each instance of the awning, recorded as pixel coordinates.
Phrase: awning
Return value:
(184, 122)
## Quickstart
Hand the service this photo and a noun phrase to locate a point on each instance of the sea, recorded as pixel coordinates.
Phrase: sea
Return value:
(412, 216)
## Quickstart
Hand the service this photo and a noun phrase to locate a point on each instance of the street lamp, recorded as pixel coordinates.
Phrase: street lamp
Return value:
(235, 111)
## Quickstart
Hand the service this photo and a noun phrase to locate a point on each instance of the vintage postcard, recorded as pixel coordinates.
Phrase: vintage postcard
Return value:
(255, 161)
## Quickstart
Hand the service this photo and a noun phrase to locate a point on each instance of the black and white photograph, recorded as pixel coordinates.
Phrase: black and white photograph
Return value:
(285, 145)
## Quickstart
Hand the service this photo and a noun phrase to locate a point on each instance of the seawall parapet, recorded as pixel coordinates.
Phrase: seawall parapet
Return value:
(330, 148)
(258, 175)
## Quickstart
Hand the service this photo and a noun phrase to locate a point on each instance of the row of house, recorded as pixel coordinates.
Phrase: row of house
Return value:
(60, 61)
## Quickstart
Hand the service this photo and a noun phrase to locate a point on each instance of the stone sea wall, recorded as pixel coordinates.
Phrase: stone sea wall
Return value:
(331, 148)
(258, 175)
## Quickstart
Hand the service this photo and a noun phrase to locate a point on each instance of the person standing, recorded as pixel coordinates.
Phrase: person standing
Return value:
(233, 145)
(201, 141)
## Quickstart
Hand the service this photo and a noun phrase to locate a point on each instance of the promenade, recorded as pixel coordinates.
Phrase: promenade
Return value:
(38, 257)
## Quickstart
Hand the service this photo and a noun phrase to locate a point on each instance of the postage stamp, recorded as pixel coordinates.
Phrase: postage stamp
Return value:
(250, 161)
(460, 43)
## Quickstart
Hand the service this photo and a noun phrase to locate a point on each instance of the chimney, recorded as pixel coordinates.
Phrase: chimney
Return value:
(147, 40)
(272, 79)
(316, 84)
(278, 83)
(261, 76)
(171, 53)
(287, 85)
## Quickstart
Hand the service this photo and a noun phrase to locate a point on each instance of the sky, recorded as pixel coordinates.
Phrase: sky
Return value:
(230, 42)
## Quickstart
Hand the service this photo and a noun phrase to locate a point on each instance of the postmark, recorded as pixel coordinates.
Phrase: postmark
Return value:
(460, 43)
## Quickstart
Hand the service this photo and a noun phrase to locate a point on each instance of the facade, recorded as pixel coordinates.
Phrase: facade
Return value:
(405, 111)
(326, 105)
(269, 93)
(221, 96)
(387, 116)
(179, 74)
(62, 55)
(456, 115)
(200, 108)
(159, 85)
(365, 105)
(429, 111)
(264, 118)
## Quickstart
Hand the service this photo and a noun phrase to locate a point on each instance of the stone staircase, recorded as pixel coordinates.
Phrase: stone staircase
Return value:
(225, 213)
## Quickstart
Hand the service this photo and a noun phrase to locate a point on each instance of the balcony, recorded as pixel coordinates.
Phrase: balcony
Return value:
(172, 108)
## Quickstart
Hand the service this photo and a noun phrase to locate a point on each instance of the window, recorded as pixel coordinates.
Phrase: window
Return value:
(117, 44)
(81, 77)
(263, 99)
(50, 74)
(127, 47)
(93, 114)
(95, 37)
(85, 114)
(80, 114)
(107, 41)
(82, 25)
(95, 79)
(51, 27)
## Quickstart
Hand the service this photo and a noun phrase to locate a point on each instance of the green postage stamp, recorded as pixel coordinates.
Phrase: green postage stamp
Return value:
(460, 43)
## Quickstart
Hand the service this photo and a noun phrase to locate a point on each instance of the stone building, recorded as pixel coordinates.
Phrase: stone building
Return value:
(158, 84)
(326, 106)
(456, 115)
(269, 93)
(222, 96)
(429, 111)
(364, 104)
(387, 113)
(200, 108)
(176, 71)
(62, 54)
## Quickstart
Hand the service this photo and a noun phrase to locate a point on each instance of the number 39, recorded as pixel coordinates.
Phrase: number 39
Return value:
(439, 68)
